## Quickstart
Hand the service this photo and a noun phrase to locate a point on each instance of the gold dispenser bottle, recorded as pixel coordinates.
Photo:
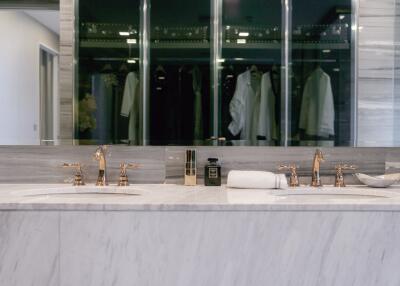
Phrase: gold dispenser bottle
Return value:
(190, 168)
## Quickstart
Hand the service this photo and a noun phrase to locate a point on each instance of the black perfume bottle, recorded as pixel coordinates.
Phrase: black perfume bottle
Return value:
(212, 173)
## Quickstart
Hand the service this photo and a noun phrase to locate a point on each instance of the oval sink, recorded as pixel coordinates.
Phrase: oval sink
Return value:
(80, 192)
(332, 195)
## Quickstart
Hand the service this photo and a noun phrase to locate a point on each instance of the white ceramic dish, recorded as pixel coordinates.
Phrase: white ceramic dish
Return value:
(383, 181)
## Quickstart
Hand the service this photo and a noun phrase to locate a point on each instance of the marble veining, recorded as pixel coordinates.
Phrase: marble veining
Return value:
(29, 248)
(377, 73)
(169, 197)
(177, 236)
(239, 248)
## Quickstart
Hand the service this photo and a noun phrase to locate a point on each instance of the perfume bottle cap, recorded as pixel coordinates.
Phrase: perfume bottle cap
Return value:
(213, 160)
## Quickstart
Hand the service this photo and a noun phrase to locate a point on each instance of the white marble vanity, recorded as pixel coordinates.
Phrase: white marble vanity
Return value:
(175, 235)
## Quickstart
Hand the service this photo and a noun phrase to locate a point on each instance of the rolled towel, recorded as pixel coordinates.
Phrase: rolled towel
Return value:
(256, 180)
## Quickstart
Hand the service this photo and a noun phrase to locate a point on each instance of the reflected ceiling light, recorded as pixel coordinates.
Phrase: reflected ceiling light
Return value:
(336, 70)
(131, 41)
(326, 51)
(131, 61)
(220, 60)
(341, 17)
(244, 34)
(124, 34)
(241, 41)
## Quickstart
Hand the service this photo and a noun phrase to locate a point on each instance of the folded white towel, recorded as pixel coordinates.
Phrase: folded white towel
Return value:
(256, 180)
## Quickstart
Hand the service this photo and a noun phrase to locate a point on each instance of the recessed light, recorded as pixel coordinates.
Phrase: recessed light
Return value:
(124, 34)
(244, 34)
(131, 41)
(241, 41)
(131, 61)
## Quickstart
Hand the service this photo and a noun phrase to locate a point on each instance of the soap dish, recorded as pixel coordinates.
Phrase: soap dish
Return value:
(382, 181)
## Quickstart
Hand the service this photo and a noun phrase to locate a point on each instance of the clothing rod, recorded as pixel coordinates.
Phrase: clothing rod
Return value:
(197, 60)
(313, 61)
(250, 60)
(114, 59)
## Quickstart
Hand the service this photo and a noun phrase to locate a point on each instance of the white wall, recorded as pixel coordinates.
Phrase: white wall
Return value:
(21, 37)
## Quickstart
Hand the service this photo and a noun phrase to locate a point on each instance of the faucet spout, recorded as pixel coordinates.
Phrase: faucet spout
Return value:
(315, 171)
(100, 156)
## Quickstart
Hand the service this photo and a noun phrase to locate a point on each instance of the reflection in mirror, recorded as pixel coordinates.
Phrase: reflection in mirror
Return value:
(321, 98)
(29, 109)
(180, 102)
(107, 97)
(226, 72)
(250, 73)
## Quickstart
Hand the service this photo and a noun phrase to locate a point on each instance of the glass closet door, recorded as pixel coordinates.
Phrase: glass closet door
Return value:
(180, 99)
(250, 72)
(107, 97)
(320, 103)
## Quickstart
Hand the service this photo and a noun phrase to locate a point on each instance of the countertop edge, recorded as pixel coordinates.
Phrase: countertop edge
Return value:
(200, 207)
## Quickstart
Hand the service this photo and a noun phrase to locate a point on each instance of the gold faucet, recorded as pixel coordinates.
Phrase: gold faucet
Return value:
(294, 179)
(123, 177)
(100, 155)
(315, 176)
(339, 178)
(78, 177)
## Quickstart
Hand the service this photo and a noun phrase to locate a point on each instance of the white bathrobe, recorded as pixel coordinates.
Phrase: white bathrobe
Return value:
(130, 107)
(253, 109)
(317, 115)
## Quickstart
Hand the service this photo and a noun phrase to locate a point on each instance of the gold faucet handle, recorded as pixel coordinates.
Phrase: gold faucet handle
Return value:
(339, 179)
(341, 167)
(291, 167)
(123, 177)
(78, 177)
(77, 166)
(294, 179)
(124, 166)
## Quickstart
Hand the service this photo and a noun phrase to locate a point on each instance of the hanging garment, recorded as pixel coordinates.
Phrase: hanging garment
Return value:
(130, 107)
(227, 92)
(266, 125)
(103, 90)
(317, 115)
(158, 100)
(253, 108)
(193, 104)
(198, 121)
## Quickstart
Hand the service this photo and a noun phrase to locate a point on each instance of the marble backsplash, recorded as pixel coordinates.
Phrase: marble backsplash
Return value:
(29, 164)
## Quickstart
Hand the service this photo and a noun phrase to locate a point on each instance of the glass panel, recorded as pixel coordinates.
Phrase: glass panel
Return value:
(250, 87)
(107, 99)
(180, 108)
(321, 94)
(46, 98)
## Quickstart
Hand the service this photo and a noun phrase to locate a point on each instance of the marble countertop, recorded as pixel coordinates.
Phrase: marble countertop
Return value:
(181, 198)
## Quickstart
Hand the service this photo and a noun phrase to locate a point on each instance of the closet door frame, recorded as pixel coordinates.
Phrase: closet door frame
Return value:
(286, 84)
(216, 60)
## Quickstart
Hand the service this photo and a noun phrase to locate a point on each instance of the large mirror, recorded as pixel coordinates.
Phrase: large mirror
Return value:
(29, 52)
(201, 73)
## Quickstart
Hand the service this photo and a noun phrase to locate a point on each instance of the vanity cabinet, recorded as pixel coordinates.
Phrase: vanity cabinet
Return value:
(198, 245)
(246, 72)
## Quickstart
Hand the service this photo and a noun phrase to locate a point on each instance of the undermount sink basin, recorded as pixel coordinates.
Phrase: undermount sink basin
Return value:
(332, 195)
(81, 192)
